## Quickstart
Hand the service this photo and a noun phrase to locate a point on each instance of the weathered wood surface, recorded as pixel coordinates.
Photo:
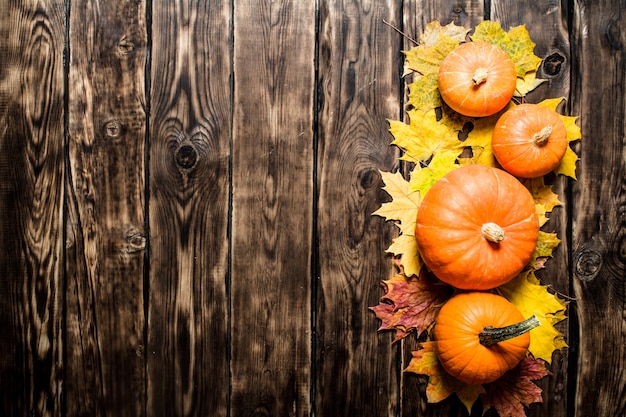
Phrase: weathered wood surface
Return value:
(186, 198)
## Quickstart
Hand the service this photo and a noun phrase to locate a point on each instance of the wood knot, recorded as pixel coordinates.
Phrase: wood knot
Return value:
(587, 264)
(614, 34)
(113, 129)
(125, 46)
(186, 156)
(553, 63)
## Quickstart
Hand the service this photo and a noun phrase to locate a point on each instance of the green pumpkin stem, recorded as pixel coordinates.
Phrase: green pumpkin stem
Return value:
(490, 336)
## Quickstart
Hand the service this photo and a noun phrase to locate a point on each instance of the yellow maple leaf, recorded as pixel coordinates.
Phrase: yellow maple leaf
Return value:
(404, 204)
(545, 198)
(527, 84)
(422, 178)
(531, 298)
(441, 384)
(423, 136)
(479, 140)
(433, 31)
(405, 246)
(567, 166)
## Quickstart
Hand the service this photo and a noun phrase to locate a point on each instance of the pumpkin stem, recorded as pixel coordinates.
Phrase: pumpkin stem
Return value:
(492, 232)
(541, 138)
(480, 76)
(493, 335)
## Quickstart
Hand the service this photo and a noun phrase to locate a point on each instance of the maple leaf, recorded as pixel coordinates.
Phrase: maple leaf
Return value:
(404, 203)
(515, 389)
(405, 246)
(424, 93)
(567, 166)
(546, 244)
(531, 298)
(516, 43)
(479, 140)
(411, 303)
(423, 136)
(441, 384)
(545, 199)
(422, 178)
(527, 84)
(435, 43)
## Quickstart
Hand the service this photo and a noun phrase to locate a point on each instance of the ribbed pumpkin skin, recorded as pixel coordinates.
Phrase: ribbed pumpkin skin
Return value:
(514, 140)
(450, 219)
(456, 330)
(457, 71)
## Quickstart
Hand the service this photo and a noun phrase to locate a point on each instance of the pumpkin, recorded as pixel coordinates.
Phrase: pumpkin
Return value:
(480, 336)
(477, 227)
(529, 140)
(477, 79)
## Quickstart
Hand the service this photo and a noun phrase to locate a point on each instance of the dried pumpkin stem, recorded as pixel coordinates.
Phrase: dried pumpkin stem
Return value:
(480, 76)
(490, 336)
(492, 232)
(541, 138)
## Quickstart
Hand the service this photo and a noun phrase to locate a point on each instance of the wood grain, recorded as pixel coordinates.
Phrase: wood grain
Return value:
(599, 198)
(272, 180)
(359, 76)
(31, 203)
(106, 236)
(547, 24)
(186, 354)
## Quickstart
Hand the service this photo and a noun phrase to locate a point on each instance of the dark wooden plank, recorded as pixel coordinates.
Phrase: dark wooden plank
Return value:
(187, 363)
(272, 207)
(31, 206)
(547, 24)
(598, 213)
(359, 75)
(105, 230)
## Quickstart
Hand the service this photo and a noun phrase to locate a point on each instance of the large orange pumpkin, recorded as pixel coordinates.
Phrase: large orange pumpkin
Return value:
(479, 336)
(477, 79)
(477, 227)
(529, 140)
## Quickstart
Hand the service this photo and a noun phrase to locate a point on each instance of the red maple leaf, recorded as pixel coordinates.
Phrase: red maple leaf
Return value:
(515, 389)
(411, 303)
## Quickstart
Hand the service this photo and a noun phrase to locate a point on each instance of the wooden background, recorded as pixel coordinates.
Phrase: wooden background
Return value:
(186, 197)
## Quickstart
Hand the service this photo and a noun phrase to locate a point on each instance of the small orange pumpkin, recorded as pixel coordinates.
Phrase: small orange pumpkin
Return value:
(529, 140)
(477, 79)
(479, 336)
(477, 227)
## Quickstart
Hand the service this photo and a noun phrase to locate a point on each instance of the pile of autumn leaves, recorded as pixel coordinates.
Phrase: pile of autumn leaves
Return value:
(436, 141)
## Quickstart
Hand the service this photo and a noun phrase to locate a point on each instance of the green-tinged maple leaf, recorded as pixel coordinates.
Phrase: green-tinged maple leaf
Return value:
(527, 84)
(434, 44)
(425, 59)
(423, 136)
(441, 384)
(516, 43)
(546, 244)
(422, 178)
(424, 93)
(404, 204)
(531, 298)
(405, 246)
(411, 303)
(515, 389)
